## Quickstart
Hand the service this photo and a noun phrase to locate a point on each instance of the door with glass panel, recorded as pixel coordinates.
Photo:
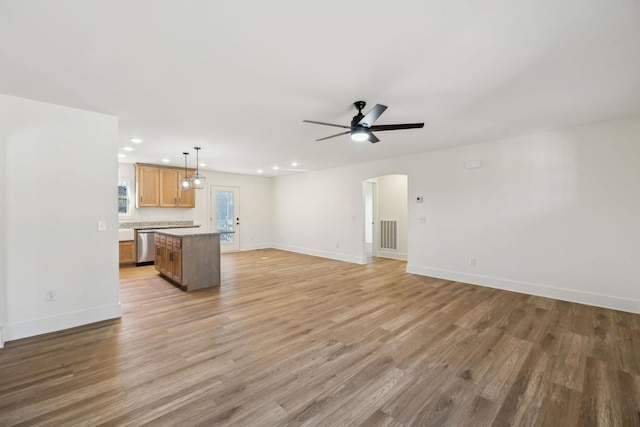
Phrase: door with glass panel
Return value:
(225, 216)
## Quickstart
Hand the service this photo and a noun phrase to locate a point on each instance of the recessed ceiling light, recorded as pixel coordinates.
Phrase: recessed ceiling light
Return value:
(122, 155)
(165, 160)
(127, 148)
(135, 140)
(294, 164)
(260, 171)
(203, 165)
(275, 168)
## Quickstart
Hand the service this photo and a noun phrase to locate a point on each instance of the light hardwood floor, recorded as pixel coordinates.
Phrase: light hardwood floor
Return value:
(295, 340)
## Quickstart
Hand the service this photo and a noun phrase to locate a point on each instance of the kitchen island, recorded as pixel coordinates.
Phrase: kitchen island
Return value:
(188, 258)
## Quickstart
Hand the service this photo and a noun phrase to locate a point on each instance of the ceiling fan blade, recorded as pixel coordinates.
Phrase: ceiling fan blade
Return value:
(372, 138)
(372, 115)
(378, 128)
(326, 124)
(333, 136)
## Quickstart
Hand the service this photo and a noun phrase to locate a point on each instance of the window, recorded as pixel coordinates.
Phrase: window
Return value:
(124, 199)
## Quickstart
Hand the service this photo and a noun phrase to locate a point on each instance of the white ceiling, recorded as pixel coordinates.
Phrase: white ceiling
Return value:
(237, 78)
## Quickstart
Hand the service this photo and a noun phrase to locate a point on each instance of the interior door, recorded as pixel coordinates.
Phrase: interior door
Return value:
(225, 216)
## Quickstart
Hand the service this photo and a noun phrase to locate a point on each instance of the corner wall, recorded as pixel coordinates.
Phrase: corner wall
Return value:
(61, 170)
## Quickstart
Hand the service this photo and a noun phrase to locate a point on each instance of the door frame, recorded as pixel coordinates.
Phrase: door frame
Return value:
(213, 204)
(373, 185)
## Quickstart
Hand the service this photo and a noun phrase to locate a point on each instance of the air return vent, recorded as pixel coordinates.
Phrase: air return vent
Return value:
(388, 234)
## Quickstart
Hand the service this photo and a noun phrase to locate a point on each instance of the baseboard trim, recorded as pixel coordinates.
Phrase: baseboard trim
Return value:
(392, 255)
(597, 300)
(322, 254)
(62, 321)
(255, 247)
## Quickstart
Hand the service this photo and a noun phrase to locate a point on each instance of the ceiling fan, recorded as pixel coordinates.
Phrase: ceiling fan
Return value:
(362, 125)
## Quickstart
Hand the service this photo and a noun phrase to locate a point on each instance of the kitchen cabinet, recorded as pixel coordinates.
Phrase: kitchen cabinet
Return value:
(159, 186)
(147, 186)
(174, 261)
(171, 193)
(168, 257)
(187, 258)
(127, 252)
(160, 257)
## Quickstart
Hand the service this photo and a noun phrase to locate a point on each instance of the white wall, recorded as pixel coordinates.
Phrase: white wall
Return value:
(255, 206)
(3, 222)
(59, 183)
(552, 214)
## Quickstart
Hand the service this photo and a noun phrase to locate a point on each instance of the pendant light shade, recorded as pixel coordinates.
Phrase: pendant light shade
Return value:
(198, 181)
(185, 183)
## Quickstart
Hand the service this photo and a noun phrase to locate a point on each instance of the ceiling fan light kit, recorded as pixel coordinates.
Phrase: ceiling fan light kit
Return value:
(360, 135)
(362, 126)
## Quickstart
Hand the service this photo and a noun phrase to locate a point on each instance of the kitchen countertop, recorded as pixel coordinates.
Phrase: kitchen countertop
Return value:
(145, 225)
(183, 232)
(161, 227)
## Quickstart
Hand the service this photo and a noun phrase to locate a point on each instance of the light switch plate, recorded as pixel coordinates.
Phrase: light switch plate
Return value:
(102, 225)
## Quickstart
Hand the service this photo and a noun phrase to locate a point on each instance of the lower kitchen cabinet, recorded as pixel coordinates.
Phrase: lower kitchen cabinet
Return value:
(187, 258)
(127, 250)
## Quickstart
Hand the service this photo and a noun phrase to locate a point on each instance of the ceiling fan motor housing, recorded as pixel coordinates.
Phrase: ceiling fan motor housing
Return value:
(359, 105)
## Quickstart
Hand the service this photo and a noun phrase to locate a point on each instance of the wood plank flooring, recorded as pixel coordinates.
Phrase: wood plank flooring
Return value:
(290, 339)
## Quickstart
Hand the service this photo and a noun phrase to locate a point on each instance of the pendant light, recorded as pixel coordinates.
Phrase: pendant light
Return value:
(198, 181)
(185, 183)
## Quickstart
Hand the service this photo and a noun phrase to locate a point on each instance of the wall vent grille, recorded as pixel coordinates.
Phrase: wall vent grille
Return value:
(388, 234)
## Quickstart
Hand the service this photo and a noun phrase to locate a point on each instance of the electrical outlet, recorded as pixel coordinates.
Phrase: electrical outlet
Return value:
(50, 295)
(472, 262)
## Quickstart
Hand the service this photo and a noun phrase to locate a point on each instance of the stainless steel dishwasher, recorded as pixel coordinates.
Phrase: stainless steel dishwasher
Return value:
(146, 247)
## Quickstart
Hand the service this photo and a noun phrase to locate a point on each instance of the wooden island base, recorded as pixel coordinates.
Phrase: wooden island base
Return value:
(190, 259)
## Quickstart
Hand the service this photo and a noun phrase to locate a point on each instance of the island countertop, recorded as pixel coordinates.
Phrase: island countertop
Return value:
(186, 232)
(161, 227)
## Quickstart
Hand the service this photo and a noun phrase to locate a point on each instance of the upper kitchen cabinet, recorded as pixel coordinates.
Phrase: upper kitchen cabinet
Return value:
(147, 186)
(159, 186)
(171, 193)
